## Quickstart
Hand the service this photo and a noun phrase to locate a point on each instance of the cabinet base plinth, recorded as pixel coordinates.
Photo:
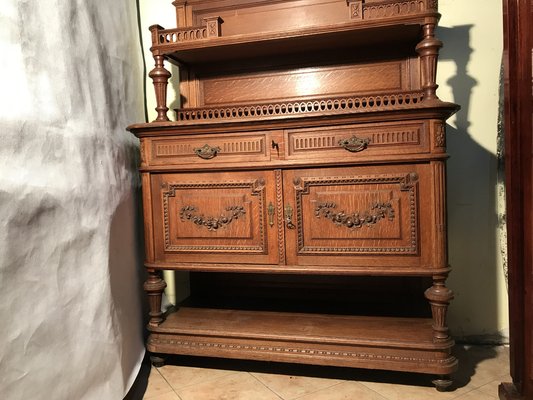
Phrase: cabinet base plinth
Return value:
(399, 344)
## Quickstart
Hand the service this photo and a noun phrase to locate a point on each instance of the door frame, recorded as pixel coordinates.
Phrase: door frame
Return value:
(518, 40)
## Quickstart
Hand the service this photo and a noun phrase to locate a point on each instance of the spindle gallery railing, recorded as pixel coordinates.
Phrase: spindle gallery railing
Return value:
(280, 109)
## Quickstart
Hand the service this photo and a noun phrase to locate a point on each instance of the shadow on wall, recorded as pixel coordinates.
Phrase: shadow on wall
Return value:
(472, 216)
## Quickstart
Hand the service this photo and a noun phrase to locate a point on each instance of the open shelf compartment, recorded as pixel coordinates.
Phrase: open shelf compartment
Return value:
(403, 344)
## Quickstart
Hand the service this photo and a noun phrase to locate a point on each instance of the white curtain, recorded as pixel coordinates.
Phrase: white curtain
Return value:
(70, 308)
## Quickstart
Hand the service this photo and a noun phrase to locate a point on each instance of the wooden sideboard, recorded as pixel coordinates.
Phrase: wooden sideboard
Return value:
(309, 141)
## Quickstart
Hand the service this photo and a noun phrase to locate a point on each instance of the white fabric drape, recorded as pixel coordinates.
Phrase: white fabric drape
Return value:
(70, 309)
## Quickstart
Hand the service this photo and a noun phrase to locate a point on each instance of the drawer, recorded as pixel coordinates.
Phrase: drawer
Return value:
(239, 147)
(357, 141)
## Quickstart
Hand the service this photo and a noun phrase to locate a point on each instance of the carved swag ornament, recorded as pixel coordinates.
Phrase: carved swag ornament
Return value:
(356, 219)
(212, 223)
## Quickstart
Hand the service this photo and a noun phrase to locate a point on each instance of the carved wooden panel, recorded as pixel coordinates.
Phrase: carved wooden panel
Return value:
(219, 148)
(272, 16)
(356, 141)
(255, 16)
(394, 8)
(215, 217)
(350, 215)
(305, 83)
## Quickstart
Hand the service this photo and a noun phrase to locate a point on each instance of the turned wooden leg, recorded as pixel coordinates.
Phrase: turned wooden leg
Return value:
(442, 383)
(428, 49)
(158, 360)
(160, 77)
(154, 287)
(439, 297)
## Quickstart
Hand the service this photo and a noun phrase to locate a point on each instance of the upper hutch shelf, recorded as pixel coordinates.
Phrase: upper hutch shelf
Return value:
(208, 31)
(205, 50)
(229, 52)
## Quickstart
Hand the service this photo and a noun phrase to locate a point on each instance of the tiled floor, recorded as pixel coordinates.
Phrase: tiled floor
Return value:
(481, 370)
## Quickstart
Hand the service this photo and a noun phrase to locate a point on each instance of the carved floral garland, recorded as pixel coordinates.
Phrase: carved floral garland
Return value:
(357, 219)
(212, 223)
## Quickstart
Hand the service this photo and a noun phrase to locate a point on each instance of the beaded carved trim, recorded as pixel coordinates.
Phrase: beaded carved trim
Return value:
(279, 211)
(290, 350)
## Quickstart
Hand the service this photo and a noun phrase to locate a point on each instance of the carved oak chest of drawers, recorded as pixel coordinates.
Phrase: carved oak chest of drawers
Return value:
(309, 141)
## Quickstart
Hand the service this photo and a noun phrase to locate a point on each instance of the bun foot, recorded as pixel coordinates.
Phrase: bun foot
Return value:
(442, 383)
(157, 360)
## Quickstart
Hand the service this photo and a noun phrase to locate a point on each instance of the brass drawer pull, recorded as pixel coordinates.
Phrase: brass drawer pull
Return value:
(288, 217)
(206, 152)
(354, 144)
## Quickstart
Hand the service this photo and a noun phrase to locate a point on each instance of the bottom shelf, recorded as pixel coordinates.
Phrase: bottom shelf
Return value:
(389, 343)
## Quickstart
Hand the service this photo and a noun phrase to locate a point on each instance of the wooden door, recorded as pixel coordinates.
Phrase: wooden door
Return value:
(216, 217)
(361, 217)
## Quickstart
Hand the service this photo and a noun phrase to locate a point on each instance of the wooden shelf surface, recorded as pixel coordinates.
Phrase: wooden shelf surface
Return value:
(267, 325)
(401, 344)
(340, 36)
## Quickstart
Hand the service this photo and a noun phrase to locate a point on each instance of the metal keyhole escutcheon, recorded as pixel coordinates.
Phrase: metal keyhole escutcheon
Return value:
(288, 217)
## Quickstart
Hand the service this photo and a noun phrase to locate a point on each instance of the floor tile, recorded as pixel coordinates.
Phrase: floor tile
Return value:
(481, 370)
(181, 376)
(290, 387)
(480, 365)
(344, 391)
(237, 386)
(157, 385)
(402, 392)
(491, 388)
(477, 395)
(166, 396)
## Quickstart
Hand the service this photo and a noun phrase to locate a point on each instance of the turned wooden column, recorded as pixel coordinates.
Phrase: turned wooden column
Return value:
(160, 77)
(428, 49)
(439, 297)
(154, 287)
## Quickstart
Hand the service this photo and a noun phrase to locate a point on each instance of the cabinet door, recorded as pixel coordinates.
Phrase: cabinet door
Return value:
(219, 217)
(359, 217)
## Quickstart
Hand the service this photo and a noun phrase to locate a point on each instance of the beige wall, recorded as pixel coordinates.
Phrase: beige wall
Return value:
(160, 12)
(469, 75)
